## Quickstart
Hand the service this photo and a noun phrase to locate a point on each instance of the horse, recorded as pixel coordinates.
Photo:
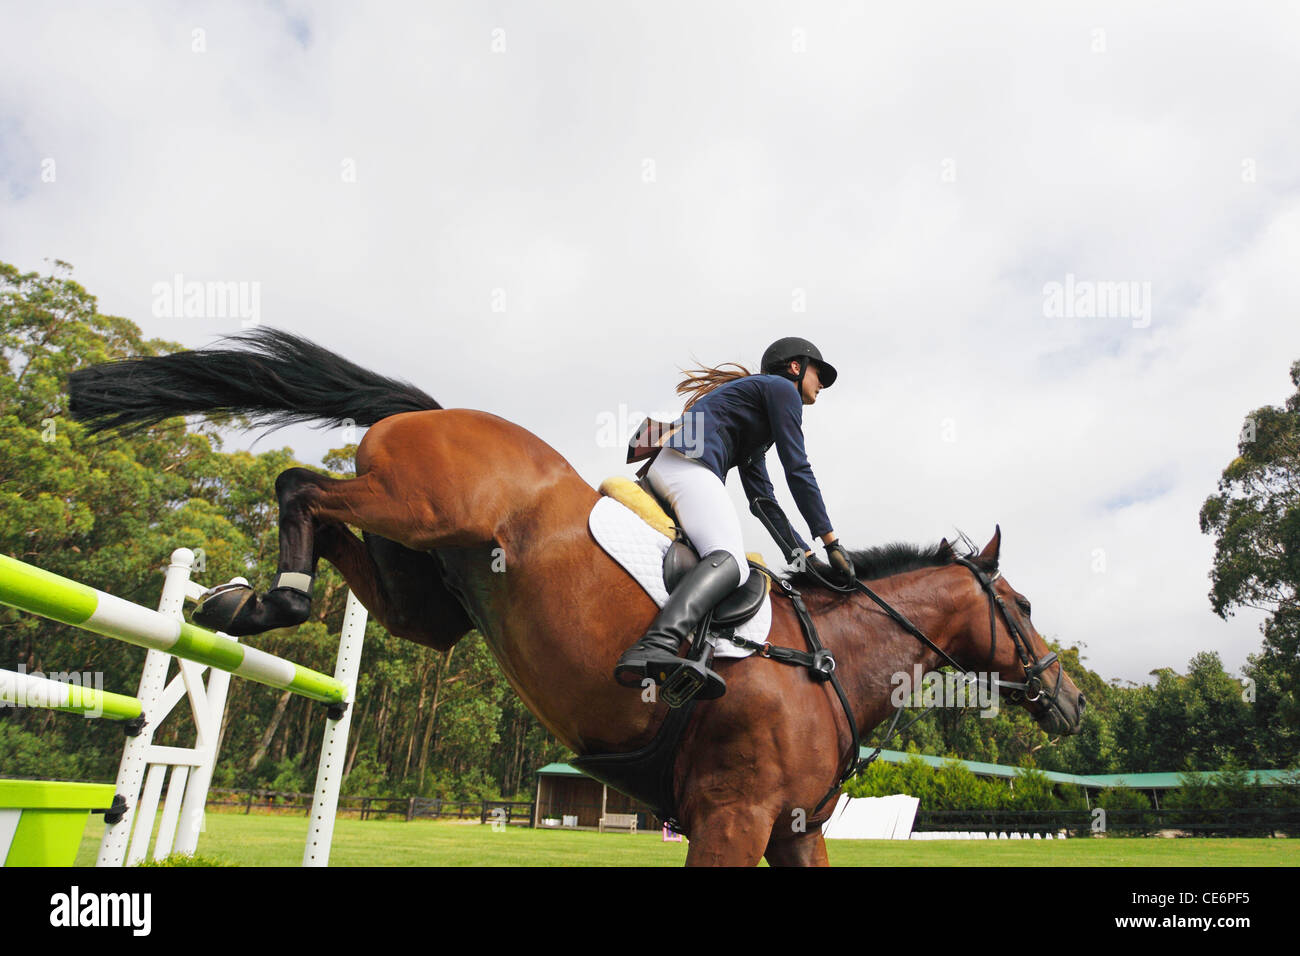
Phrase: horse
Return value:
(469, 521)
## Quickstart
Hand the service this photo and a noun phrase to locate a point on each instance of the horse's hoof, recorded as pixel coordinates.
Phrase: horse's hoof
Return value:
(220, 607)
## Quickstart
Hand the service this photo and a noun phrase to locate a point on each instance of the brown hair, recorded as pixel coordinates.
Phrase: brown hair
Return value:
(700, 381)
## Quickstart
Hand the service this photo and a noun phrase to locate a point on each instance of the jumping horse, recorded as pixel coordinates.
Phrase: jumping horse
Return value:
(470, 521)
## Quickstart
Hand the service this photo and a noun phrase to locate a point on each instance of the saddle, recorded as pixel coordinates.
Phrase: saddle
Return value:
(737, 607)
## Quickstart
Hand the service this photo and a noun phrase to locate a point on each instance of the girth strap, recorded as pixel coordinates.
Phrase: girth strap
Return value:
(645, 774)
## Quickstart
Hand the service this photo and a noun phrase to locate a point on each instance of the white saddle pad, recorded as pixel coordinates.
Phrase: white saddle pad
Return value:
(640, 549)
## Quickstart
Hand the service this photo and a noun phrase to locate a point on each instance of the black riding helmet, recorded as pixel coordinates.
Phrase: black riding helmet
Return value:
(780, 352)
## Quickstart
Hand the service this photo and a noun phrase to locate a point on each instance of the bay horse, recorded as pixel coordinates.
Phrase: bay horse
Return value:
(471, 521)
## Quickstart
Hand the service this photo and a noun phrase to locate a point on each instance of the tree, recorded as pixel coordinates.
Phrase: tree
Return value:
(1256, 518)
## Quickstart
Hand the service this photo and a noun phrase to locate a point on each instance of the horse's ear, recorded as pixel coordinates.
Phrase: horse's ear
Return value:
(946, 553)
(988, 558)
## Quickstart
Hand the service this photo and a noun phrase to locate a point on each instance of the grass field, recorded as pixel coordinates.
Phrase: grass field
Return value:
(278, 841)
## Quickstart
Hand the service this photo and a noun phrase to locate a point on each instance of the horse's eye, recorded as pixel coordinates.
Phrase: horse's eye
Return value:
(1024, 606)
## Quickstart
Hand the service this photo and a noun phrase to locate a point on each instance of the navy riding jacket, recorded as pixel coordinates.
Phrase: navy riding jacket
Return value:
(735, 424)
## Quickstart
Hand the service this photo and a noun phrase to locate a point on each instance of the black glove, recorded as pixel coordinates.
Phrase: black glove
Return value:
(841, 564)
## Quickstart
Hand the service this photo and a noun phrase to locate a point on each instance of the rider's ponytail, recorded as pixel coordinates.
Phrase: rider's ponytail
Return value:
(700, 381)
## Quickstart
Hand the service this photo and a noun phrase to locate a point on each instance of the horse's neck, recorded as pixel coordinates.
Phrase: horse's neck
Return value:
(877, 655)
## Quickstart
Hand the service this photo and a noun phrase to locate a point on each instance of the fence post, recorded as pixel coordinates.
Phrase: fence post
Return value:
(334, 745)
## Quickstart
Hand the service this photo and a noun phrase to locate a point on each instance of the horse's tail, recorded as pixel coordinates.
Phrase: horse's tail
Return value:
(275, 378)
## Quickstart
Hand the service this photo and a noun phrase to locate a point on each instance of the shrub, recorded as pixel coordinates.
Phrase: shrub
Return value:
(1128, 811)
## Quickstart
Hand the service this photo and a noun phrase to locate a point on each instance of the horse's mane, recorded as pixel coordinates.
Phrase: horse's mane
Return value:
(896, 557)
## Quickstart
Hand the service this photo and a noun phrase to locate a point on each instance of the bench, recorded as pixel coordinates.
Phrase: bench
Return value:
(618, 821)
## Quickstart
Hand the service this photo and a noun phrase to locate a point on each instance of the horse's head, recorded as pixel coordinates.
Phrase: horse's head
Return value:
(998, 636)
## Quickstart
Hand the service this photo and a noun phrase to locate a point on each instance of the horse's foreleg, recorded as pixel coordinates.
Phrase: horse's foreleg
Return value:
(797, 849)
(729, 836)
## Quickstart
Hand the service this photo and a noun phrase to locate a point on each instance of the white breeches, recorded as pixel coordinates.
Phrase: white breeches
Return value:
(703, 506)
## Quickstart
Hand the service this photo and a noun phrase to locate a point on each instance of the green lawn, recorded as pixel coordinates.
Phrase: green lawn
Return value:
(277, 841)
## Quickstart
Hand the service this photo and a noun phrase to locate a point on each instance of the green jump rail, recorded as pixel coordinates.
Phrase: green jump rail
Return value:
(36, 591)
(27, 690)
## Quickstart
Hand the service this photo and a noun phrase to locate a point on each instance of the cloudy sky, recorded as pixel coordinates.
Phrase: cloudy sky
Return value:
(1052, 250)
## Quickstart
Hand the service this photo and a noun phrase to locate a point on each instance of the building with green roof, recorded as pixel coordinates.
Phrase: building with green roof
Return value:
(567, 795)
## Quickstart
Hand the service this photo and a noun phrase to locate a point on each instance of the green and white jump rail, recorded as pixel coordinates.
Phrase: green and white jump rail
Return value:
(28, 690)
(36, 591)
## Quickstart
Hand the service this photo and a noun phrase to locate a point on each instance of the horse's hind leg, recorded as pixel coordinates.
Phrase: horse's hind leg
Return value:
(401, 587)
(425, 481)
(238, 609)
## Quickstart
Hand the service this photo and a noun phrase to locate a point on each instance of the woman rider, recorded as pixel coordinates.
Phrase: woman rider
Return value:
(732, 419)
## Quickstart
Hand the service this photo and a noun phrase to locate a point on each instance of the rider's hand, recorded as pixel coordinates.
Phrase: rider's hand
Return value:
(841, 564)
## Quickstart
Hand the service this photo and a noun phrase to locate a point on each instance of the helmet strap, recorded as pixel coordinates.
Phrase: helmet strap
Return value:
(803, 367)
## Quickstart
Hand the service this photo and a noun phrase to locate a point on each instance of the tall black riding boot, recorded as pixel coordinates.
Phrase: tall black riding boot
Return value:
(698, 592)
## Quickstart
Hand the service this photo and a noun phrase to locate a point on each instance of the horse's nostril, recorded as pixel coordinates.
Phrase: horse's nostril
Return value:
(1083, 702)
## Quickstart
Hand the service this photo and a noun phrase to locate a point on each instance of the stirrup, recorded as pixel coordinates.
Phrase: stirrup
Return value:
(692, 679)
(681, 678)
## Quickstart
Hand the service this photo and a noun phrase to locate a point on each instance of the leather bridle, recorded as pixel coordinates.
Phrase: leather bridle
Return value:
(822, 664)
(1031, 689)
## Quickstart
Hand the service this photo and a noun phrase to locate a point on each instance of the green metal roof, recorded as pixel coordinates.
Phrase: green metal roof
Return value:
(1095, 781)
(1099, 781)
(1167, 781)
(979, 767)
(561, 770)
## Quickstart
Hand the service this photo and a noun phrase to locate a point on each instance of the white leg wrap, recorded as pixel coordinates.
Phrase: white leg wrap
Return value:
(296, 580)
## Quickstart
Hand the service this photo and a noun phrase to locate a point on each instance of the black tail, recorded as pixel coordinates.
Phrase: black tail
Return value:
(274, 378)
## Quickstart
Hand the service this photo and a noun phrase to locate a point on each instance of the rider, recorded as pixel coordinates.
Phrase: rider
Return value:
(732, 419)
